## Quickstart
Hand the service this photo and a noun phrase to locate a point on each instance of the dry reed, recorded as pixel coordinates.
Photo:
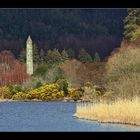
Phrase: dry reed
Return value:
(121, 111)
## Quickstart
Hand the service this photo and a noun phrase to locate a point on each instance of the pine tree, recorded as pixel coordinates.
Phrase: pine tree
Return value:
(42, 56)
(132, 25)
(53, 56)
(49, 57)
(35, 54)
(97, 57)
(64, 55)
(56, 56)
(22, 56)
(84, 56)
(71, 53)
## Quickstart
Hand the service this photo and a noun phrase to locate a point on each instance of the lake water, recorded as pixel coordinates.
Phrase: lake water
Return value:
(49, 116)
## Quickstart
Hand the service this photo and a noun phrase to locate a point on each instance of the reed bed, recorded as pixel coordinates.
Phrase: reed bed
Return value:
(121, 111)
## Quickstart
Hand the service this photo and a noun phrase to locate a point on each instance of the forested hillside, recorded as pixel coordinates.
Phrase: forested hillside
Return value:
(96, 30)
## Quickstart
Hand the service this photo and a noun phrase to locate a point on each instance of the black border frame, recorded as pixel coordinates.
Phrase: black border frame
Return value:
(68, 4)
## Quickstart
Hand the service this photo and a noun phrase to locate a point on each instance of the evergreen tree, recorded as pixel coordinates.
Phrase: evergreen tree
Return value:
(42, 56)
(64, 55)
(53, 56)
(56, 56)
(71, 53)
(49, 57)
(97, 57)
(41, 70)
(22, 56)
(35, 54)
(84, 56)
(132, 25)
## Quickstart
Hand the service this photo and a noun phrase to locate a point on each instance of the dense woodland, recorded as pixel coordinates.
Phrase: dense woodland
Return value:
(62, 29)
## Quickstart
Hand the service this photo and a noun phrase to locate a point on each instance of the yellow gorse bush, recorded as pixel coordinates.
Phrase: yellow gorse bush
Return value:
(19, 96)
(4, 92)
(45, 92)
(71, 91)
(74, 93)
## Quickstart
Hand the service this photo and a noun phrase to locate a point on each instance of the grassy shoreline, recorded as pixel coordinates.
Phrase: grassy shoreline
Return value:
(36, 100)
(122, 112)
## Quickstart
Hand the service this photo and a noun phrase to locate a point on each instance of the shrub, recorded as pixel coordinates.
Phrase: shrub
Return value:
(94, 93)
(46, 92)
(43, 96)
(123, 73)
(38, 84)
(70, 70)
(87, 84)
(78, 73)
(5, 93)
(33, 94)
(53, 74)
(29, 84)
(125, 87)
(15, 88)
(123, 63)
(41, 70)
(88, 90)
(35, 82)
(75, 94)
(40, 75)
(11, 70)
(59, 94)
(19, 96)
(91, 72)
(95, 90)
(98, 90)
(63, 83)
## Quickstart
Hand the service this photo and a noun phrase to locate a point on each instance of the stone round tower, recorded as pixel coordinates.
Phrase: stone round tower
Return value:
(29, 56)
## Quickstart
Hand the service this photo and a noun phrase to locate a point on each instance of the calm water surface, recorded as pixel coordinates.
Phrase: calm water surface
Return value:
(49, 116)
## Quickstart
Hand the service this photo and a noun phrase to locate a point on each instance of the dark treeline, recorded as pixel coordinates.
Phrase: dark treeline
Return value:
(96, 30)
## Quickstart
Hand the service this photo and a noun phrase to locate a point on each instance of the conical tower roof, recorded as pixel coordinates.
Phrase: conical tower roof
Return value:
(29, 39)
